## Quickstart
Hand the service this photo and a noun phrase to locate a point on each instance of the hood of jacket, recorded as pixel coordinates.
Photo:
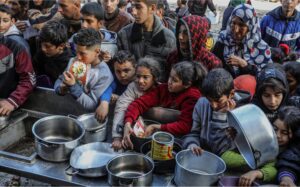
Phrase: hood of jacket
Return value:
(13, 30)
(278, 14)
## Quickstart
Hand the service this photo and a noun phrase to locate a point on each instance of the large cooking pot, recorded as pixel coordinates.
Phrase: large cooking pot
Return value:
(163, 166)
(137, 141)
(193, 170)
(56, 137)
(255, 139)
(90, 160)
(130, 169)
(94, 130)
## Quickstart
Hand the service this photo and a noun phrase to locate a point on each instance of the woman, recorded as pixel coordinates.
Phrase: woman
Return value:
(240, 46)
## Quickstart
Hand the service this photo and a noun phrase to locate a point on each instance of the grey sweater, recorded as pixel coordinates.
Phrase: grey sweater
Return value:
(99, 78)
(209, 129)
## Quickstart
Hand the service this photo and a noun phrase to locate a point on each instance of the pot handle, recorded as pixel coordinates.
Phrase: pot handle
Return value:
(257, 155)
(72, 116)
(47, 144)
(98, 130)
(71, 171)
(126, 182)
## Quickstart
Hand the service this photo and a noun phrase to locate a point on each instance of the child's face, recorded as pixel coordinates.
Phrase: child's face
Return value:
(51, 50)
(183, 38)
(88, 55)
(289, 6)
(124, 72)
(141, 12)
(90, 22)
(292, 82)
(175, 84)
(271, 99)
(5, 22)
(110, 5)
(282, 132)
(222, 102)
(144, 78)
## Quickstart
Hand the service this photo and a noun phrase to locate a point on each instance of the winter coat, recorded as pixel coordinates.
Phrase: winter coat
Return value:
(117, 21)
(198, 7)
(276, 29)
(17, 78)
(14, 33)
(160, 96)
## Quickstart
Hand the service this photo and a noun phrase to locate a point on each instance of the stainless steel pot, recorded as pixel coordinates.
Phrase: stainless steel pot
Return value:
(90, 160)
(94, 130)
(56, 137)
(255, 139)
(162, 115)
(138, 142)
(203, 170)
(130, 169)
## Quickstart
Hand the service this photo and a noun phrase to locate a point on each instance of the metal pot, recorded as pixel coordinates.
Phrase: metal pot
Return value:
(193, 170)
(3, 121)
(90, 160)
(255, 139)
(138, 142)
(227, 181)
(162, 115)
(56, 137)
(130, 169)
(94, 131)
(163, 166)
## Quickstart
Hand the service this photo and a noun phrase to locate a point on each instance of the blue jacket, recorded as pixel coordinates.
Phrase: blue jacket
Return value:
(277, 29)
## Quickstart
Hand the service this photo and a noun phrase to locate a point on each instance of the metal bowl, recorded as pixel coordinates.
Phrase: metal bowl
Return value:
(255, 139)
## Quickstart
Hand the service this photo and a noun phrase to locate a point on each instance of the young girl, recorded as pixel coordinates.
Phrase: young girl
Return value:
(181, 93)
(147, 77)
(287, 128)
(271, 90)
(292, 70)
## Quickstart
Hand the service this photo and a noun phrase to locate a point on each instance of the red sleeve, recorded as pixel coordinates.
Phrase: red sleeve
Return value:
(184, 123)
(141, 105)
(27, 79)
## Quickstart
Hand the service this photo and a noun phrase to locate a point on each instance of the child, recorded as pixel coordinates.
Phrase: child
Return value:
(287, 128)
(292, 70)
(147, 77)
(271, 90)
(181, 93)
(86, 77)
(182, 10)
(7, 27)
(124, 70)
(53, 56)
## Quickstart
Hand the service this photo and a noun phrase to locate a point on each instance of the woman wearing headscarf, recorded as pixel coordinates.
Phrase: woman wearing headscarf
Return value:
(240, 46)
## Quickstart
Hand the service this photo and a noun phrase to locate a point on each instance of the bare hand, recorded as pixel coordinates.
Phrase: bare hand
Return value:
(150, 129)
(236, 61)
(287, 182)
(105, 56)
(114, 98)
(102, 111)
(5, 107)
(21, 25)
(248, 178)
(230, 105)
(126, 142)
(196, 149)
(117, 144)
(69, 78)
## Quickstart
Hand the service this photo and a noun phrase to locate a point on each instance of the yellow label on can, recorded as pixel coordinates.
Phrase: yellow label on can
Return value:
(161, 150)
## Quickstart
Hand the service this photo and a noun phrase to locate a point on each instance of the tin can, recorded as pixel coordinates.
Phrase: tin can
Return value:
(162, 146)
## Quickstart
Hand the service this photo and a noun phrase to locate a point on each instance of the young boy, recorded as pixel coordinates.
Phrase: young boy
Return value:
(17, 78)
(53, 56)
(124, 73)
(282, 25)
(86, 77)
(7, 27)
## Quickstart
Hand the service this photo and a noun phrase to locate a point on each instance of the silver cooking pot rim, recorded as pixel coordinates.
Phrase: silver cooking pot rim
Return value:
(195, 171)
(55, 117)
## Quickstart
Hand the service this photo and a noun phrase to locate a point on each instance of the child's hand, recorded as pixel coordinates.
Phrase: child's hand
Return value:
(287, 182)
(117, 144)
(237, 61)
(150, 129)
(5, 107)
(126, 142)
(102, 111)
(231, 133)
(114, 98)
(248, 178)
(230, 105)
(69, 78)
(195, 149)
(21, 25)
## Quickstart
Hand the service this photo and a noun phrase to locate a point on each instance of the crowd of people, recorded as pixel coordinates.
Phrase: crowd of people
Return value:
(138, 54)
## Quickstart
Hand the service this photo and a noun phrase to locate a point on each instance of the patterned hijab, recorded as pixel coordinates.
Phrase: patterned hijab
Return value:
(255, 51)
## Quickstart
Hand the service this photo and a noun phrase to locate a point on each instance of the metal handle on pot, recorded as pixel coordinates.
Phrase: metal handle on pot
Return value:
(126, 182)
(72, 116)
(98, 130)
(72, 172)
(257, 155)
(47, 144)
